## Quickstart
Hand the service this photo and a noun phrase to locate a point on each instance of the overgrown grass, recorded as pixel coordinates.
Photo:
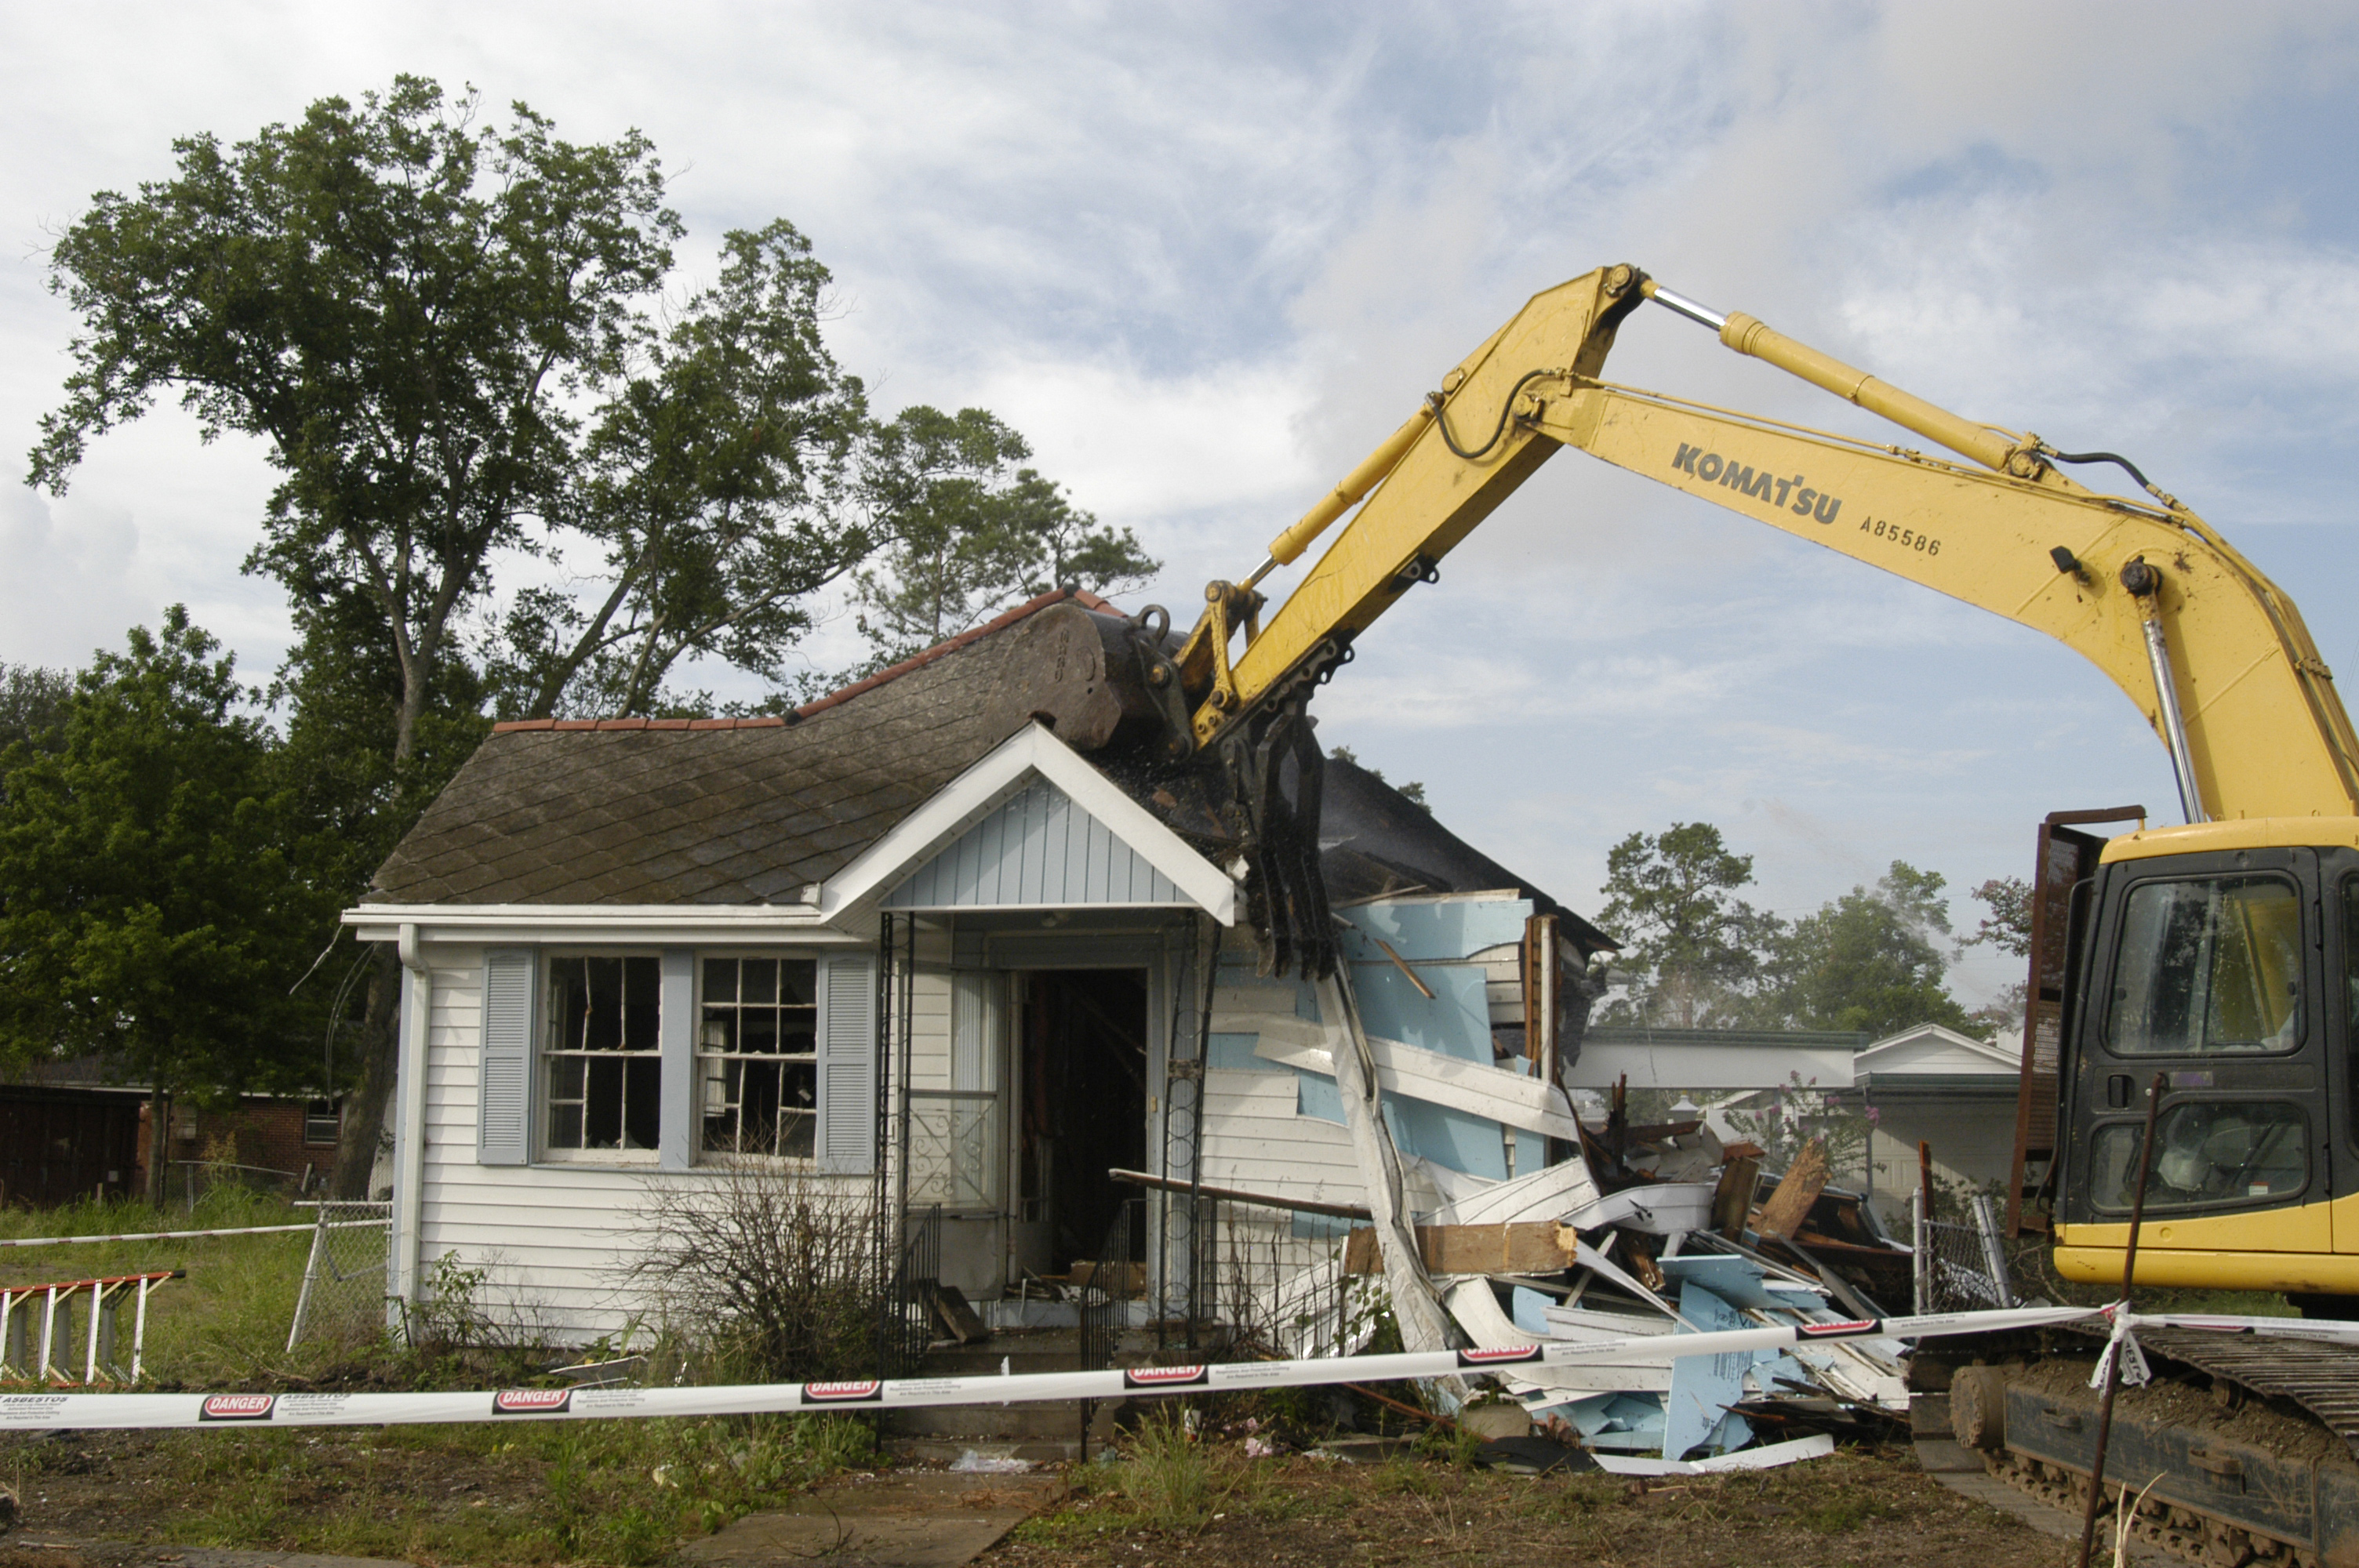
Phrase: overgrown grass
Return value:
(223, 1325)
(607, 1492)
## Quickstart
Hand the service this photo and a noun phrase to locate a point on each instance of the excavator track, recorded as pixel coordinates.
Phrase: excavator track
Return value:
(2240, 1450)
(2321, 1378)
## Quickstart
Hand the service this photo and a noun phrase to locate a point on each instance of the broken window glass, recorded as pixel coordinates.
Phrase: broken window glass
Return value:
(2206, 1152)
(756, 1056)
(603, 1055)
(2209, 965)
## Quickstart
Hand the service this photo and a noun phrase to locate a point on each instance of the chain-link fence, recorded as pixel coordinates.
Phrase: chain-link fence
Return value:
(1960, 1267)
(343, 1292)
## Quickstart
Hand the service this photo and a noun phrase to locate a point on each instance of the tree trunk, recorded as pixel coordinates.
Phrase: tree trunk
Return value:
(158, 1144)
(364, 1124)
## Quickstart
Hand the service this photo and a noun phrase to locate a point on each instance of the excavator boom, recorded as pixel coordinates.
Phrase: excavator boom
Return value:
(2214, 655)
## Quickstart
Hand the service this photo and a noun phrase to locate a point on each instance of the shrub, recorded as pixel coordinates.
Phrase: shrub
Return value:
(769, 1269)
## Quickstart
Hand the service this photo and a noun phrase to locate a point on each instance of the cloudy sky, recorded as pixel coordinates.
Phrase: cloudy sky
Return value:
(1204, 256)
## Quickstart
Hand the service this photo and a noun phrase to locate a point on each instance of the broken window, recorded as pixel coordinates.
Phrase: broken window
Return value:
(603, 1055)
(756, 1057)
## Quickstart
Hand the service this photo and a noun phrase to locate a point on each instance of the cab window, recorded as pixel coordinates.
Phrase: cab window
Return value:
(2209, 966)
(2207, 1153)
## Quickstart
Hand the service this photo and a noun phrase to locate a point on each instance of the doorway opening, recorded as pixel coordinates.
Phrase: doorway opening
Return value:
(1083, 1085)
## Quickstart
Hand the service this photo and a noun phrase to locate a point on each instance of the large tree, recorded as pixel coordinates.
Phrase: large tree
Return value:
(153, 915)
(1691, 948)
(32, 704)
(721, 485)
(1875, 959)
(400, 304)
(977, 531)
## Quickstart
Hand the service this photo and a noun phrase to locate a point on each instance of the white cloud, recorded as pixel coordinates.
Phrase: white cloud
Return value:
(1205, 258)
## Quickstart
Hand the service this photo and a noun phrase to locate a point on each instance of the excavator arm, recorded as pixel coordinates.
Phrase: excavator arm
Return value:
(2214, 655)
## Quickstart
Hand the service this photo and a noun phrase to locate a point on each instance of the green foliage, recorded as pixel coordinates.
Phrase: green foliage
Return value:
(1168, 1478)
(1873, 959)
(1693, 946)
(719, 485)
(1798, 1111)
(32, 705)
(400, 303)
(2007, 926)
(156, 916)
(972, 532)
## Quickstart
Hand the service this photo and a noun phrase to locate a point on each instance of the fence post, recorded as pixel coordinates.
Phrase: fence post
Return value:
(1920, 1237)
(1994, 1255)
(310, 1272)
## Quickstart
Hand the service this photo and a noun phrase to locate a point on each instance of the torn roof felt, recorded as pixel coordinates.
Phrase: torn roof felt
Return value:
(1374, 841)
(737, 811)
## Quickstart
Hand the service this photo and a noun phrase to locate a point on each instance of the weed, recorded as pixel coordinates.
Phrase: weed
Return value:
(1452, 1445)
(1168, 1478)
(1401, 1477)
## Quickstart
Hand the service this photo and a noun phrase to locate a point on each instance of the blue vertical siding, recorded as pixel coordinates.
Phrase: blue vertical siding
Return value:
(1037, 849)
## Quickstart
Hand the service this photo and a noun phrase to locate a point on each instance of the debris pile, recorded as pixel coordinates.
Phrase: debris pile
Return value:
(1658, 1231)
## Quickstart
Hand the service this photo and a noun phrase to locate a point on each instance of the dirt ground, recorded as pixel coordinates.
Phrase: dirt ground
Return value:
(364, 1493)
(1855, 1508)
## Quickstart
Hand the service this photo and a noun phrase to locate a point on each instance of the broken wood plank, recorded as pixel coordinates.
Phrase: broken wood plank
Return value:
(1790, 1203)
(1521, 1248)
(1237, 1195)
(1732, 1201)
(951, 1306)
(1402, 965)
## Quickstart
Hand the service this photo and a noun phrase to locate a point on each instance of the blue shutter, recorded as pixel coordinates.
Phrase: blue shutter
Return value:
(846, 1143)
(504, 1084)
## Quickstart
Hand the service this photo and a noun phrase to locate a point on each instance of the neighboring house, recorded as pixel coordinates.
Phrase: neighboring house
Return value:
(1951, 1091)
(1929, 1084)
(935, 940)
(67, 1133)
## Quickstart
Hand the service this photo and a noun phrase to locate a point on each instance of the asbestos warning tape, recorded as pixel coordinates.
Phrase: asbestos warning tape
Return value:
(149, 1410)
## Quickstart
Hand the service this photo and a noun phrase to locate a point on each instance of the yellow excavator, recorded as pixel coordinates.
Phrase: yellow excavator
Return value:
(2223, 954)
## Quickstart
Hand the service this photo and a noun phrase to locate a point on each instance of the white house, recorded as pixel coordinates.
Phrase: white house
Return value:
(1953, 1093)
(939, 938)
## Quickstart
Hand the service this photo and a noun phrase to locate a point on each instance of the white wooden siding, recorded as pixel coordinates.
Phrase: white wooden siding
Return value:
(555, 1240)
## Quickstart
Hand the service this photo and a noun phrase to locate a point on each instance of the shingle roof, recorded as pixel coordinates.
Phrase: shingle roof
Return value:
(721, 811)
(711, 811)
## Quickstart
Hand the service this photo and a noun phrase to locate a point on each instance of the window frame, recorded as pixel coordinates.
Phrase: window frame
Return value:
(2108, 1021)
(699, 1152)
(333, 1116)
(542, 1100)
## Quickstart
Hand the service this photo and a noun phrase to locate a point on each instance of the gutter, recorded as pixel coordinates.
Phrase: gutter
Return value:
(410, 1129)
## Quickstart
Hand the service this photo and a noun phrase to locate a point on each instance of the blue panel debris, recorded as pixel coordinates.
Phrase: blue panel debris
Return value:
(1315, 1096)
(1450, 1138)
(1234, 1053)
(1455, 1022)
(1457, 1139)
(1695, 1412)
(1439, 928)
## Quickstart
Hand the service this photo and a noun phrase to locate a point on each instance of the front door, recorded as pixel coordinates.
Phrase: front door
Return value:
(1080, 1110)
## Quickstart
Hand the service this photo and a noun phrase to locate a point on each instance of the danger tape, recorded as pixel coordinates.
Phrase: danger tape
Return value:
(154, 1411)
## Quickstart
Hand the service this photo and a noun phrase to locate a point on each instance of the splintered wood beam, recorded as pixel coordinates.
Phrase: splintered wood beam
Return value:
(1789, 1204)
(1525, 1248)
(1402, 965)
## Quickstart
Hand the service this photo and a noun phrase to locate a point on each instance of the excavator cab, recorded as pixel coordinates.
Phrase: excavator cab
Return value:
(2224, 956)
